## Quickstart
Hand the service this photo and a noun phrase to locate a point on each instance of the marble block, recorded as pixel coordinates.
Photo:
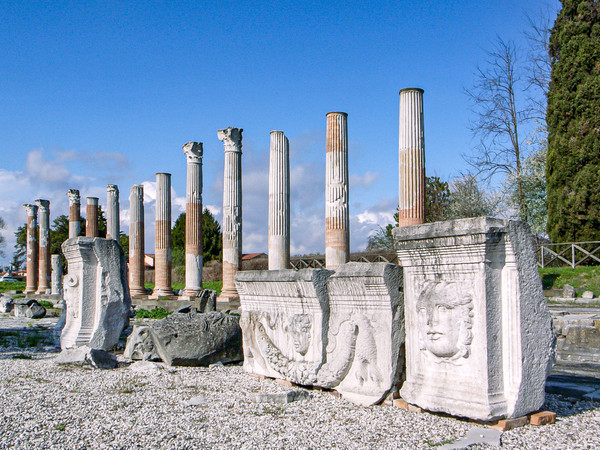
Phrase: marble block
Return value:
(96, 293)
(479, 340)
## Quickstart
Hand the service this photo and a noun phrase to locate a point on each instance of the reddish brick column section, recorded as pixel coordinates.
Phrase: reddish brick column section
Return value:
(232, 212)
(162, 252)
(411, 158)
(279, 202)
(74, 213)
(44, 274)
(337, 216)
(32, 249)
(91, 217)
(136, 241)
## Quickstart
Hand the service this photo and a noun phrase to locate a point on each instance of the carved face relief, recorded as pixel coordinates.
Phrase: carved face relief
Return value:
(300, 327)
(445, 320)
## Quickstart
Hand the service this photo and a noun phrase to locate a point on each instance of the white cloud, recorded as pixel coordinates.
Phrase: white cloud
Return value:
(366, 180)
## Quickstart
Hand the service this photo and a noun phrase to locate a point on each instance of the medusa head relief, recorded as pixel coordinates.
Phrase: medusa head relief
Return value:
(445, 318)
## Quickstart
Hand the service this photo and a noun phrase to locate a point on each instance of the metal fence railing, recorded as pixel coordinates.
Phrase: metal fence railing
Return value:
(571, 254)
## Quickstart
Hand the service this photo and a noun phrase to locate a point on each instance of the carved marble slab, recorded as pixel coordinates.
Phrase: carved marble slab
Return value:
(96, 293)
(479, 341)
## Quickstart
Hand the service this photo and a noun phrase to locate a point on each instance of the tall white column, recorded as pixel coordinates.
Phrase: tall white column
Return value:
(32, 249)
(162, 252)
(232, 212)
(411, 158)
(56, 277)
(112, 212)
(74, 213)
(44, 246)
(193, 220)
(337, 216)
(279, 202)
(136, 241)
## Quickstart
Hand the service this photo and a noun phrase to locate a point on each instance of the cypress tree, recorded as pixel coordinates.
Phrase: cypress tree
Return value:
(573, 118)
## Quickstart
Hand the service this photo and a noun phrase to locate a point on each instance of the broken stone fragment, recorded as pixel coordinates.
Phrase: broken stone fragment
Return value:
(82, 356)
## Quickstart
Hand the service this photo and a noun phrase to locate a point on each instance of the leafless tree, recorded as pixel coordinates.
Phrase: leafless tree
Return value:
(539, 64)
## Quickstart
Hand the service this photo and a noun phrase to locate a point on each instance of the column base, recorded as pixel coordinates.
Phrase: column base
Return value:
(190, 294)
(231, 299)
(161, 292)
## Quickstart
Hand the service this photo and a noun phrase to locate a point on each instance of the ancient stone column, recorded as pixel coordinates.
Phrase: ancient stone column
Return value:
(411, 158)
(91, 217)
(162, 252)
(74, 213)
(193, 220)
(279, 202)
(44, 246)
(57, 273)
(136, 241)
(232, 212)
(32, 249)
(112, 212)
(337, 218)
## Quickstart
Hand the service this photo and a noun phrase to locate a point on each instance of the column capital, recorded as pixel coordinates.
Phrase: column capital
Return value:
(74, 197)
(31, 209)
(112, 188)
(232, 139)
(193, 151)
(138, 191)
(43, 205)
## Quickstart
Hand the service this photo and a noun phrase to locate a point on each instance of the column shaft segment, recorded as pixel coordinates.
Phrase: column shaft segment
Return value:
(112, 212)
(57, 273)
(337, 217)
(44, 274)
(74, 213)
(279, 202)
(136, 241)
(411, 158)
(91, 217)
(162, 252)
(32, 249)
(232, 212)
(193, 220)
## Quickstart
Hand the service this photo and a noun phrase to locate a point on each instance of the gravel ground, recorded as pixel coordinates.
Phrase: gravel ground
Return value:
(49, 406)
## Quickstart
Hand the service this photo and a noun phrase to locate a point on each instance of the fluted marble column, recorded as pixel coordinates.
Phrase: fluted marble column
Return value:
(91, 217)
(74, 213)
(162, 252)
(136, 241)
(232, 212)
(32, 249)
(193, 220)
(411, 157)
(279, 202)
(44, 246)
(56, 277)
(112, 212)
(337, 217)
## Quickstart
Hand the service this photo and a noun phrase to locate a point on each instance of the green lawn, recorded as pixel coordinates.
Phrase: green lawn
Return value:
(581, 278)
(214, 285)
(12, 286)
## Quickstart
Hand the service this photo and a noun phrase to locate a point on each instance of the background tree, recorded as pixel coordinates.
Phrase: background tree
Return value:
(469, 199)
(573, 165)
(211, 238)
(437, 199)
(124, 242)
(20, 246)
(2, 243)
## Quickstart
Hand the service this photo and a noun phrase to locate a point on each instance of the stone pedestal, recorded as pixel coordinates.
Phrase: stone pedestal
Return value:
(193, 221)
(32, 249)
(57, 273)
(112, 212)
(96, 293)
(136, 241)
(74, 213)
(162, 252)
(232, 213)
(337, 218)
(479, 339)
(279, 202)
(44, 246)
(411, 157)
(91, 217)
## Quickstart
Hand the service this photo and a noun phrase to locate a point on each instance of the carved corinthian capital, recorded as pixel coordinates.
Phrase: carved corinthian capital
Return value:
(232, 139)
(74, 198)
(193, 151)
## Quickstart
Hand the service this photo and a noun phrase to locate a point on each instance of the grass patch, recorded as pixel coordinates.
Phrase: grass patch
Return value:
(21, 356)
(46, 304)
(581, 278)
(213, 285)
(12, 286)
(60, 427)
(155, 313)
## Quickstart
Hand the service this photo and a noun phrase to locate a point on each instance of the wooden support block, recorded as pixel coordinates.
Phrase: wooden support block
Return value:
(509, 424)
(284, 382)
(399, 403)
(542, 418)
(260, 377)
(415, 408)
(336, 393)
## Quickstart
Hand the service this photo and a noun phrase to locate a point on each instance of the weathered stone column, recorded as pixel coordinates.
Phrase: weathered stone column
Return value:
(193, 220)
(74, 213)
(44, 246)
(411, 158)
(57, 273)
(279, 202)
(162, 252)
(112, 212)
(337, 217)
(232, 212)
(32, 249)
(136, 241)
(91, 217)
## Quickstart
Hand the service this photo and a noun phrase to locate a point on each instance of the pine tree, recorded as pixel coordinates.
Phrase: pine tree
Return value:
(573, 118)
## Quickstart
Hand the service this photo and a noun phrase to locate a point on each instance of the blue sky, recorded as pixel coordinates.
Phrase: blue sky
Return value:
(93, 93)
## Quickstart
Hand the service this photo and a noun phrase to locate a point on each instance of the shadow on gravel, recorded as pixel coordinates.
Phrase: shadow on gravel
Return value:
(580, 390)
(36, 338)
